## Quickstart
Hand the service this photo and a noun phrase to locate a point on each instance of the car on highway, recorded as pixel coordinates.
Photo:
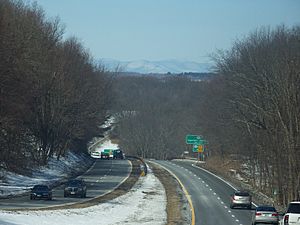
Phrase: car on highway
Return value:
(41, 192)
(118, 154)
(292, 215)
(76, 188)
(241, 199)
(96, 154)
(265, 214)
(104, 155)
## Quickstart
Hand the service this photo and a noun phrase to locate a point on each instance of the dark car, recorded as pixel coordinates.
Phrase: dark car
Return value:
(41, 192)
(118, 154)
(76, 188)
(241, 199)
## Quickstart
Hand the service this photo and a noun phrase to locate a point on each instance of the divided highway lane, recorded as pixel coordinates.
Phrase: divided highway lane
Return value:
(102, 177)
(210, 195)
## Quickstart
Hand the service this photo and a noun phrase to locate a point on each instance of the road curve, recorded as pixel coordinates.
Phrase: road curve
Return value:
(102, 177)
(210, 195)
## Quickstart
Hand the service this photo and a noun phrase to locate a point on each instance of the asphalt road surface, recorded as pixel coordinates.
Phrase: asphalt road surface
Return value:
(102, 177)
(210, 195)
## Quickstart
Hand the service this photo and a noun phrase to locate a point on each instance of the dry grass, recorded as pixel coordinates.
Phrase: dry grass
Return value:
(176, 204)
(222, 164)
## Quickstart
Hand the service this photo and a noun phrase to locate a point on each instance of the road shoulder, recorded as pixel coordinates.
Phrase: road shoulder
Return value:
(178, 209)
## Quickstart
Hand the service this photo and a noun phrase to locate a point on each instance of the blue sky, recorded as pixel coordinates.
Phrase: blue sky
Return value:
(166, 29)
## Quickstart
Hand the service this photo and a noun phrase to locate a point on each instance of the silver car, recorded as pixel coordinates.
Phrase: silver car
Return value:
(241, 199)
(266, 215)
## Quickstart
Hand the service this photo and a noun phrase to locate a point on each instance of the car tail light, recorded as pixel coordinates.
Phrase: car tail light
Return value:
(258, 214)
(275, 214)
(286, 219)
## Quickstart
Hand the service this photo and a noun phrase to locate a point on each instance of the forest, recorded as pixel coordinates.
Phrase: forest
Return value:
(53, 95)
(249, 111)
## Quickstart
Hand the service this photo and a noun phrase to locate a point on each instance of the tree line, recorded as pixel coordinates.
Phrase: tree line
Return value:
(53, 95)
(250, 111)
(154, 114)
(260, 101)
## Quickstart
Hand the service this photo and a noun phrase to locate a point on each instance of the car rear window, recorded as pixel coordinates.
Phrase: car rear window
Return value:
(294, 208)
(75, 182)
(40, 188)
(266, 208)
(242, 194)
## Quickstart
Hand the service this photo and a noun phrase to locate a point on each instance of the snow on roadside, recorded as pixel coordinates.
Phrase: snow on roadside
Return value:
(56, 171)
(144, 204)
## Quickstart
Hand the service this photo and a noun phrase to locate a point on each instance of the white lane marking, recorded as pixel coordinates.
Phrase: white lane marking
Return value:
(193, 165)
(226, 182)
(229, 211)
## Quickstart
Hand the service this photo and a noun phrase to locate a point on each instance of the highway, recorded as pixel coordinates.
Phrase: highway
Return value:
(210, 196)
(102, 177)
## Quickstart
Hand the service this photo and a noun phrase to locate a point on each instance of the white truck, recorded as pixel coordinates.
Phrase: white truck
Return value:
(292, 215)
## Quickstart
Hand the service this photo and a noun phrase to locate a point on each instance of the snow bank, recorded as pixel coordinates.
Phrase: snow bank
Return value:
(144, 204)
(56, 171)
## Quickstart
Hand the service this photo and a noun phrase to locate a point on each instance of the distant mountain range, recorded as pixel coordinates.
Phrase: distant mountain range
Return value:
(164, 66)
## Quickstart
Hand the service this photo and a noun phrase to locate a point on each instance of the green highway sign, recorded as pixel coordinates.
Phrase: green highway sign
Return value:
(198, 148)
(195, 148)
(204, 142)
(193, 139)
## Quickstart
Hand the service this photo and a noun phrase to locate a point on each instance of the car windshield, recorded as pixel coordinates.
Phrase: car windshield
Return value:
(266, 208)
(294, 208)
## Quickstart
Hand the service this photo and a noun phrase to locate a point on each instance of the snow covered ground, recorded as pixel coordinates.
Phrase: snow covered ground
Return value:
(144, 204)
(56, 171)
